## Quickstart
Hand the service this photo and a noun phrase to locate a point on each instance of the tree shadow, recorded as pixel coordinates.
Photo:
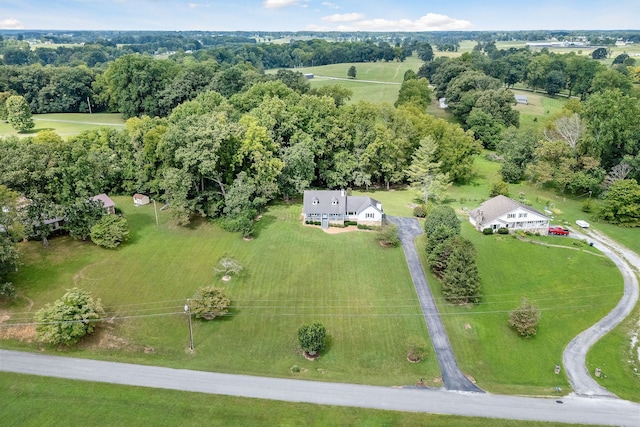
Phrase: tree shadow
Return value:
(34, 131)
(262, 224)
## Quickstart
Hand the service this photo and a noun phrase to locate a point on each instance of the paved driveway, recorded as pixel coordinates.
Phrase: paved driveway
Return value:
(575, 354)
(452, 377)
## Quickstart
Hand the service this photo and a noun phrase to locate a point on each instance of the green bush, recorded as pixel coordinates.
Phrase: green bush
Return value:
(487, 231)
(587, 206)
(503, 230)
(348, 223)
(420, 211)
(311, 337)
(110, 231)
(499, 188)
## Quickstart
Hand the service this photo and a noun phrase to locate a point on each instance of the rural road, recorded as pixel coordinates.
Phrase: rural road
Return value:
(452, 377)
(575, 354)
(571, 409)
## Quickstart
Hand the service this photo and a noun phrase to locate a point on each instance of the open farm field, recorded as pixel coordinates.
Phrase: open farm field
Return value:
(37, 401)
(294, 274)
(66, 124)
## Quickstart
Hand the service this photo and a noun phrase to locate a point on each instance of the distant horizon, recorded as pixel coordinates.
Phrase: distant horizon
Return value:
(317, 15)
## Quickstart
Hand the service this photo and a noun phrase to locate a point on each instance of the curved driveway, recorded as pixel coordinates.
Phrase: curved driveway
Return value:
(575, 354)
(572, 409)
(452, 377)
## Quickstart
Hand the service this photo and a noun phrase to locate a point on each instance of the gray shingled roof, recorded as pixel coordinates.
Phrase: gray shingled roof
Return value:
(498, 206)
(106, 201)
(344, 203)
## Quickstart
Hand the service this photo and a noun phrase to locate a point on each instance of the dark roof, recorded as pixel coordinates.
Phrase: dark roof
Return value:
(335, 202)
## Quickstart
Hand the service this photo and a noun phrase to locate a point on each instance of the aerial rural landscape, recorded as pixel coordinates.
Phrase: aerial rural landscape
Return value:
(320, 213)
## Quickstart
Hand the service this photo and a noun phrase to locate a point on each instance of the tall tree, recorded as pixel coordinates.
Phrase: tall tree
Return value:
(19, 113)
(424, 172)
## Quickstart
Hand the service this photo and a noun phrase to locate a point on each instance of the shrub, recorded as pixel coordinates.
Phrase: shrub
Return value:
(387, 235)
(525, 318)
(587, 206)
(499, 188)
(7, 290)
(420, 211)
(487, 231)
(503, 230)
(69, 319)
(348, 223)
(109, 231)
(311, 337)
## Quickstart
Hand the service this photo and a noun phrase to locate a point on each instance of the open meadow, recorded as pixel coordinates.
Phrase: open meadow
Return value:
(66, 124)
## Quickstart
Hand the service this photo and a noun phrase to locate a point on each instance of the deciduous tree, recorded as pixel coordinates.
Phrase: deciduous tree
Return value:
(19, 113)
(69, 319)
(209, 302)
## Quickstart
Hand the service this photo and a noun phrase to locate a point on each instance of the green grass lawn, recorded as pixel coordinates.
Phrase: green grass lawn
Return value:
(293, 274)
(388, 72)
(66, 124)
(570, 297)
(37, 401)
(618, 357)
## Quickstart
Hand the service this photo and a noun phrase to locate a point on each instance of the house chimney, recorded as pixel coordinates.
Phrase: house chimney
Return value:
(342, 193)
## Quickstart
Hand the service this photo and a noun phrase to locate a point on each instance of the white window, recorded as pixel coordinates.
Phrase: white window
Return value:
(522, 215)
(511, 215)
(369, 215)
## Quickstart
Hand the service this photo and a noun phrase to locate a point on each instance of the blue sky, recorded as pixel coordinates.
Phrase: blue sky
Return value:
(300, 15)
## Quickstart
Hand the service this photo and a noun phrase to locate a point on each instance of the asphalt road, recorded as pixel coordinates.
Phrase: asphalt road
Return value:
(452, 377)
(574, 355)
(573, 409)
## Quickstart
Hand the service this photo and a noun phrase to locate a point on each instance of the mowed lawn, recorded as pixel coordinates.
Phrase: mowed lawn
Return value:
(375, 81)
(66, 124)
(36, 401)
(293, 274)
(573, 289)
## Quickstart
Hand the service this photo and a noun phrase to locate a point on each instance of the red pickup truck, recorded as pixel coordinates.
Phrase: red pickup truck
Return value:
(558, 231)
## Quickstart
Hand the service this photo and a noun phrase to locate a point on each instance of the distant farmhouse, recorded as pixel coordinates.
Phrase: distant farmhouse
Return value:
(521, 99)
(503, 212)
(335, 207)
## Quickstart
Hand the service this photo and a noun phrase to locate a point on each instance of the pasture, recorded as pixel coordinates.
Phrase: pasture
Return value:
(66, 124)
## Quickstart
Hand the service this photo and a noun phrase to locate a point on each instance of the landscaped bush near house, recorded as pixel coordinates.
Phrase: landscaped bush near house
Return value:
(420, 211)
(503, 230)
(487, 231)
(349, 223)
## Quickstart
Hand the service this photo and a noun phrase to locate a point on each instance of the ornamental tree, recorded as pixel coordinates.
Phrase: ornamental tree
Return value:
(525, 318)
(227, 266)
(311, 337)
(69, 319)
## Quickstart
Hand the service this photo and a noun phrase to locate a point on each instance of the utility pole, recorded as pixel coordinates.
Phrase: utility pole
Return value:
(155, 210)
(187, 309)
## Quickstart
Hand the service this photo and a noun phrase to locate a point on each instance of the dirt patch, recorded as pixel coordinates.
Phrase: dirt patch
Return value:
(23, 333)
(338, 230)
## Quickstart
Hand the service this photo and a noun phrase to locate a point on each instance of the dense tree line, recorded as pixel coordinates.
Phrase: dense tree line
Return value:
(227, 156)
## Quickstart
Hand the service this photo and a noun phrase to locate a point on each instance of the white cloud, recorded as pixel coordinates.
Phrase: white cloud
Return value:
(344, 17)
(195, 5)
(11, 24)
(428, 22)
(276, 4)
(330, 5)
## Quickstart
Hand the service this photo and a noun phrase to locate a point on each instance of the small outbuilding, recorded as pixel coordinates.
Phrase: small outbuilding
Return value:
(140, 199)
(108, 204)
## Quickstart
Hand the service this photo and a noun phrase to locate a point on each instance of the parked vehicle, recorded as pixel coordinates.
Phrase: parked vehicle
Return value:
(583, 224)
(558, 231)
